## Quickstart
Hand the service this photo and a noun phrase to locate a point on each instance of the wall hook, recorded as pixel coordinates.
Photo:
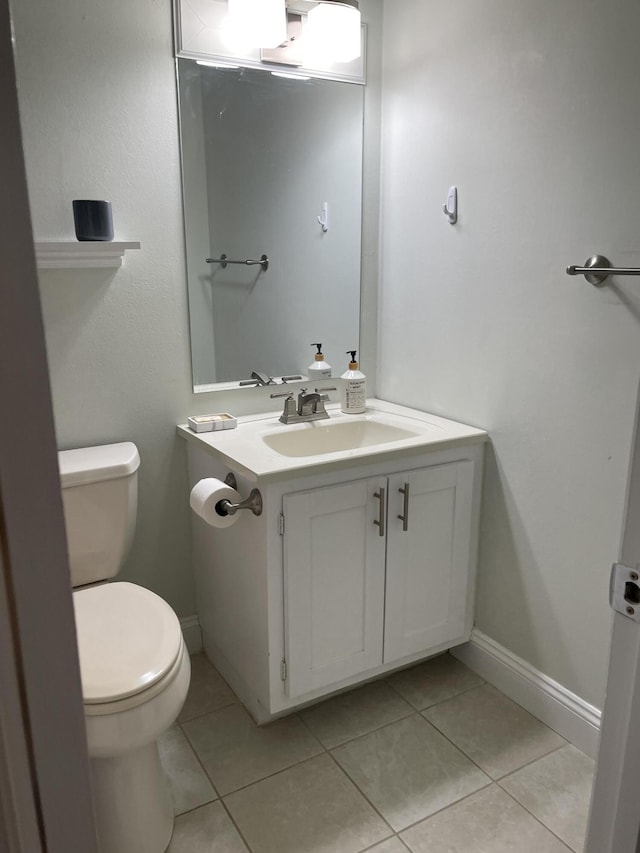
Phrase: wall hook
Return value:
(450, 209)
(323, 219)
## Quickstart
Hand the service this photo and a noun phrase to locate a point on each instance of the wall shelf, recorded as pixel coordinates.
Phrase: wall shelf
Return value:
(71, 255)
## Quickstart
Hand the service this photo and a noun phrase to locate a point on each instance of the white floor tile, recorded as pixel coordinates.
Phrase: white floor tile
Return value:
(355, 713)
(557, 790)
(206, 830)
(235, 752)
(207, 691)
(493, 731)
(434, 681)
(188, 782)
(311, 807)
(408, 770)
(487, 822)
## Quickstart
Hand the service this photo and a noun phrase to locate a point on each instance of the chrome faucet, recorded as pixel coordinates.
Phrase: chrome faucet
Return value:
(309, 407)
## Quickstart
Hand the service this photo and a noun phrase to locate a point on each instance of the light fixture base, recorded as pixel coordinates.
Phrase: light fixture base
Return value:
(290, 51)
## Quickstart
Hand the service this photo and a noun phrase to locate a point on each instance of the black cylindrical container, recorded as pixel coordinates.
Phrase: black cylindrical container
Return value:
(92, 220)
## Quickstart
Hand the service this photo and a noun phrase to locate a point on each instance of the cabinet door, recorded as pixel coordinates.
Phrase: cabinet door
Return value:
(334, 563)
(428, 563)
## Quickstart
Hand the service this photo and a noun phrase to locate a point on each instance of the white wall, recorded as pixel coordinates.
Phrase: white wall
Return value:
(532, 110)
(98, 104)
(97, 97)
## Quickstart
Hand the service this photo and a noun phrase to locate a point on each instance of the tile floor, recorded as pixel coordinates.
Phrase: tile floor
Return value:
(431, 760)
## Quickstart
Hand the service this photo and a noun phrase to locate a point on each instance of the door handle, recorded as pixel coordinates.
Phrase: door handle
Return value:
(379, 522)
(404, 518)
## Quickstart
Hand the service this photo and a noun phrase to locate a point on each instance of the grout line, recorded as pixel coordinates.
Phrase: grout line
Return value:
(373, 731)
(191, 749)
(271, 775)
(384, 841)
(410, 713)
(238, 830)
(262, 778)
(537, 819)
(447, 807)
(529, 763)
(226, 810)
(440, 702)
(200, 763)
(457, 748)
(197, 808)
(199, 716)
(453, 696)
(356, 786)
(486, 772)
(362, 794)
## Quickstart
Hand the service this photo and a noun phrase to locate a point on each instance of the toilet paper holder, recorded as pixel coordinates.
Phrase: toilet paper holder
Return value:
(253, 502)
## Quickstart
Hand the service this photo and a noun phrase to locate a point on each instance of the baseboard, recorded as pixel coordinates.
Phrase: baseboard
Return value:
(574, 719)
(192, 634)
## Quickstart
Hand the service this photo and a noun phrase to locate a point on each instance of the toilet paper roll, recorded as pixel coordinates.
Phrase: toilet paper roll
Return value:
(206, 495)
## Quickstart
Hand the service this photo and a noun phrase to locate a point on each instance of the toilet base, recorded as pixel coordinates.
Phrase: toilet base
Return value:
(133, 808)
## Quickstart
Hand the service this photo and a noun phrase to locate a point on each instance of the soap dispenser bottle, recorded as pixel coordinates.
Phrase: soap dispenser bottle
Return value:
(319, 369)
(354, 392)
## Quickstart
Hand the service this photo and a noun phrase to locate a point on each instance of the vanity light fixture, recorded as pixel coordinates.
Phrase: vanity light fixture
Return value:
(333, 30)
(258, 23)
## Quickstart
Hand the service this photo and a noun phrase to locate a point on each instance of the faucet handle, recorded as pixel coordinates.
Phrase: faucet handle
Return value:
(288, 394)
(324, 397)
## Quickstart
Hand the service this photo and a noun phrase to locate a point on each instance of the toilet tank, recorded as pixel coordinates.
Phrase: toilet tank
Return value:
(100, 499)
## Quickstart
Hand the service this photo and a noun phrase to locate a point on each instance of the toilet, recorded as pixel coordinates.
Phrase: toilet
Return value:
(134, 665)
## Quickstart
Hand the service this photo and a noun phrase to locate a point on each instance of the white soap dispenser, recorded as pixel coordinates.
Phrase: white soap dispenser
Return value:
(319, 369)
(354, 392)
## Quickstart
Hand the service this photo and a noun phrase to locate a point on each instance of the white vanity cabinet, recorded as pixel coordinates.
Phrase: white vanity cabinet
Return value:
(358, 565)
(334, 583)
(376, 571)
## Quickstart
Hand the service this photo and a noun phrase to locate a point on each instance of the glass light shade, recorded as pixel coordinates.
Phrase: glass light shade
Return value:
(333, 31)
(258, 23)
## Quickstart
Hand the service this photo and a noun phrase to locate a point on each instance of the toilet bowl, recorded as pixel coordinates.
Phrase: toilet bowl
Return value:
(134, 666)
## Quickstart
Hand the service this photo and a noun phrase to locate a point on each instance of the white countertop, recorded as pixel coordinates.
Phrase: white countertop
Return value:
(244, 449)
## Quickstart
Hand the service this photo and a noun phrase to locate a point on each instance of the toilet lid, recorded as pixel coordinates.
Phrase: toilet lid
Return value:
(128, 639)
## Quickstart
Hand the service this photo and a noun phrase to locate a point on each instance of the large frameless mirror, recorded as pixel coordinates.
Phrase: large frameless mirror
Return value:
(272, 166)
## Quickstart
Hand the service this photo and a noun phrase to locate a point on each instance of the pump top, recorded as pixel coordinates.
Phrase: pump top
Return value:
(319, 348)
(353, 353)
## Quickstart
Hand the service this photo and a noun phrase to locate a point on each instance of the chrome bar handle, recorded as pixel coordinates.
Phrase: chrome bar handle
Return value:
(379, 522)
(224, 261)
(597, 270)
(404, 518)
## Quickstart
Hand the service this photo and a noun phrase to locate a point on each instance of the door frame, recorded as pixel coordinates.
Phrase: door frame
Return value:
(45, 794)
(614, 820)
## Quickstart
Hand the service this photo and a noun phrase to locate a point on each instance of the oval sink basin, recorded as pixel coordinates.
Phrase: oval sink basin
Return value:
(315, 439)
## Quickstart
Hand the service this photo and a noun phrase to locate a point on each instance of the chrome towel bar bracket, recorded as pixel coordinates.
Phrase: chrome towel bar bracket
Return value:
(253, 502)
(224, 262)
(597, 270)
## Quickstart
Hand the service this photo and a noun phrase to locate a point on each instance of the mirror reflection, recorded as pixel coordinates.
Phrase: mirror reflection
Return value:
(272, 167)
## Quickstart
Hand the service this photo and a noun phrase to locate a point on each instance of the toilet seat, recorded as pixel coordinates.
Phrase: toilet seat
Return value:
(129, 640)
